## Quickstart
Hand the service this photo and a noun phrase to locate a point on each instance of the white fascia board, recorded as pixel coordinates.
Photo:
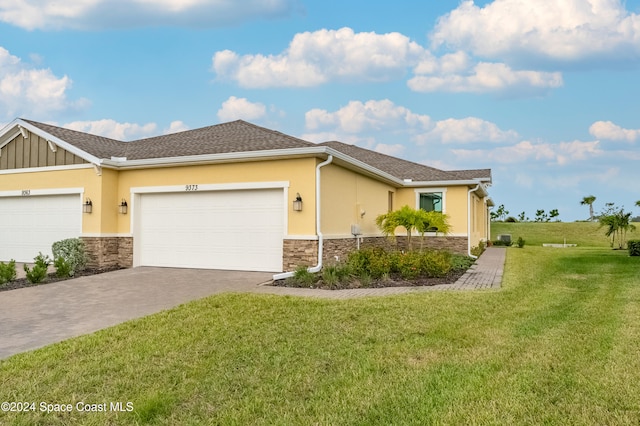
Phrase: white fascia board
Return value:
(364, 166)
(57, 141)
(427, 184)
(188, 160)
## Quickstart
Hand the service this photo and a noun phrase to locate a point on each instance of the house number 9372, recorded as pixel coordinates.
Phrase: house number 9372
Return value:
(191, 187)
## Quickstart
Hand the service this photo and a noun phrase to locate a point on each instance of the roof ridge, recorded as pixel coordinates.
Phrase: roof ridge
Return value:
(39, 125)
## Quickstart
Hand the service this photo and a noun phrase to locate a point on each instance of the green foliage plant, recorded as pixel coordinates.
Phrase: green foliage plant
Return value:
(333, 275)
(410, 265)
(72, 250)
(63, 268)
(634, 247)
(38, 273)
(303, 278)
(435, 263)
(520, 242)
(7, 271)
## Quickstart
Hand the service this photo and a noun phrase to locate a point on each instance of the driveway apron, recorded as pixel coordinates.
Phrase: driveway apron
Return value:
(38, 316)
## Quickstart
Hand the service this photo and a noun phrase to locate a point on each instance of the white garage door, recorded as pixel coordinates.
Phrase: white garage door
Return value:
(29, 225)
(234, 230)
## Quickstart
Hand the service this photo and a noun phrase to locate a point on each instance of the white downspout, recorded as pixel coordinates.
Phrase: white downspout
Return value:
(318, 267)
(469, 221)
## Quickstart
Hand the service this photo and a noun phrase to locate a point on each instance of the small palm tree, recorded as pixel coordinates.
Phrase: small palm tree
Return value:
(410, 219)
(588, 200)
(405, 218)
(431, 222)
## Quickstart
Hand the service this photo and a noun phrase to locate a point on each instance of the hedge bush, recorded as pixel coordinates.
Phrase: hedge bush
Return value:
(38, 273)
(7, 271)
(73, 255)
(634, 247)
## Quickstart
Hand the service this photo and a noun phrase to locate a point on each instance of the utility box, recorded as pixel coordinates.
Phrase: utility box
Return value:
(506, 238)
(355, 230)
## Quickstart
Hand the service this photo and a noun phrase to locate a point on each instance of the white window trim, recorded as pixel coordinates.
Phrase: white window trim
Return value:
(419, 191)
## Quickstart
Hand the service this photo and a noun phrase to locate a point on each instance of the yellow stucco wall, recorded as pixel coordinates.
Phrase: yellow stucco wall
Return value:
(300, 173)
(345, 195)
(60, 179)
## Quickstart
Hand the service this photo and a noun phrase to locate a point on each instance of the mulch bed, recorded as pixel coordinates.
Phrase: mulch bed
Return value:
(52, 278)
(394, 281)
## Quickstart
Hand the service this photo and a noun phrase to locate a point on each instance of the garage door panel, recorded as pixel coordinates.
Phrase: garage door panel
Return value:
(29, 225)
(240, 230)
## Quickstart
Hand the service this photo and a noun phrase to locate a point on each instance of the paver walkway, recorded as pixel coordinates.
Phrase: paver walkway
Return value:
(485, 273)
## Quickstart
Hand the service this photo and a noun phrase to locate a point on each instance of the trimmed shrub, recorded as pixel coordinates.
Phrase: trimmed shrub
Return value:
(333, 275)
(72, 251)
(460, 262)
(410, 265)
(38, 273)
(302, 276)
(436, 264)
(501, 243)
(511, 219)
(63, 268)
(634, 247)
(7, 271)
(520, 242)
(479, 249)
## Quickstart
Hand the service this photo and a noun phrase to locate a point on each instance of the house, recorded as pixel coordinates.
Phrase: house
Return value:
(231, 196)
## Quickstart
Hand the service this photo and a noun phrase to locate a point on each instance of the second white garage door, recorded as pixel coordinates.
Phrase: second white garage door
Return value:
(29, 225)
(235, 230)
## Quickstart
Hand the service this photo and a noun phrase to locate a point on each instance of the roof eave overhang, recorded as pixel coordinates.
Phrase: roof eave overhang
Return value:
(230, 157)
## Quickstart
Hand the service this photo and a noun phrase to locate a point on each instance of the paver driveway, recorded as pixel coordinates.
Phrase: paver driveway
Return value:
(38, 316)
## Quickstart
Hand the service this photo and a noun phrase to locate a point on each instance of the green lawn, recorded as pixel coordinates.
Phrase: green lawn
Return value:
(558, 344)
(585, 234)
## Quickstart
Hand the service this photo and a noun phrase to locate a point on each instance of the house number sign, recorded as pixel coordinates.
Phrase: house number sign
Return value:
(26, 192)
(191, 187)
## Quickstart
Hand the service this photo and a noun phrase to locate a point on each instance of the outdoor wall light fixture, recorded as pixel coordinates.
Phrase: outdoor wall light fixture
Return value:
(297, 203)
(122, 208)
(87, 207)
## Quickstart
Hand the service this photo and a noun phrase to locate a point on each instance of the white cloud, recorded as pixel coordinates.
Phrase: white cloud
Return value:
(610, 131)
(483, 77)
(92, 14)
(470, 129)
(112, 129)
(313, 58)
(175, 127)
(241, 109)
(373, 117)
(560, 31)
(36, 91)
(368, 116)
(526, 151)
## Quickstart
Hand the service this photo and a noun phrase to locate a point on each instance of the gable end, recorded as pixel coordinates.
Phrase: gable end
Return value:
(34, 151)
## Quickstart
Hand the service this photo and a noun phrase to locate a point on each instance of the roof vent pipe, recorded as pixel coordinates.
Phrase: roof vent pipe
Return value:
(318, 267)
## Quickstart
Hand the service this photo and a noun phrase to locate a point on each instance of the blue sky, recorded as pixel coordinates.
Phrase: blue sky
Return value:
(546, 94)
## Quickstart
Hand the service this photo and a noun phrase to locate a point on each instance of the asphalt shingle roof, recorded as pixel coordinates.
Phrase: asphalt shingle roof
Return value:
(240, 136)
(404, 169)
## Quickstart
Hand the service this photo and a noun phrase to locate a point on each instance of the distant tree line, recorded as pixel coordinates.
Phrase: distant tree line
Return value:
(501, 214)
